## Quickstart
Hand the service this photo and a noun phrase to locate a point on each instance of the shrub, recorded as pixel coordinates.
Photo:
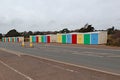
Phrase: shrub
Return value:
(114, 39)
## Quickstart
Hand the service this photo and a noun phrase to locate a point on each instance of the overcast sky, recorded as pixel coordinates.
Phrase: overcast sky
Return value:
(43, 15)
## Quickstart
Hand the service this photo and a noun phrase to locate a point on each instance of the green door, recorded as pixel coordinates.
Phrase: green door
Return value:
(86, 38)
(64, 39)
(32, 38)
(42, 37)
(2, 39)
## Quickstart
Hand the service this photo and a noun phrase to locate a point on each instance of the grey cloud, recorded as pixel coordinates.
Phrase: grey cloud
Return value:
(57, 14)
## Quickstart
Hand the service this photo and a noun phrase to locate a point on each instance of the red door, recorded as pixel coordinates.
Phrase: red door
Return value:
(8, 40)
(74, 38)
(48, 39)
(37, 39)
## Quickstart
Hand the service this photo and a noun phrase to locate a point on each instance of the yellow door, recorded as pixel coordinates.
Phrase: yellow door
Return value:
(30, 38)
(80, 38)
(59, 38)
(22, 39)
(40, 40)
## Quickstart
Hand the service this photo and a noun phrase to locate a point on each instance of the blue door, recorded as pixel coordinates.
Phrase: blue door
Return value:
(45, 38)
(94, 38)
(69, 38)
(34, 38)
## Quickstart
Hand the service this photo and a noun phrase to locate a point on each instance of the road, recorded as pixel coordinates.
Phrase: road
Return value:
(101, 59)
(15, 65)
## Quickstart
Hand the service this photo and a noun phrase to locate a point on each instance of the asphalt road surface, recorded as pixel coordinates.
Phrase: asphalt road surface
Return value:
(101, 59)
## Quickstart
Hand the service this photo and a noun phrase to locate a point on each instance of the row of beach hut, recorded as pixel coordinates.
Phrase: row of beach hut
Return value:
(12, 39)
(99, 37)
(72, 38)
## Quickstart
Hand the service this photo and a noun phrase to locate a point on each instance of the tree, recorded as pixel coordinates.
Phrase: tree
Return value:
(12, 33)
(111, 30)
(90, 28)
(38, 33)
(30, 33)
(25, 34)
(0, 36)
(65, 30)
(87, 28)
